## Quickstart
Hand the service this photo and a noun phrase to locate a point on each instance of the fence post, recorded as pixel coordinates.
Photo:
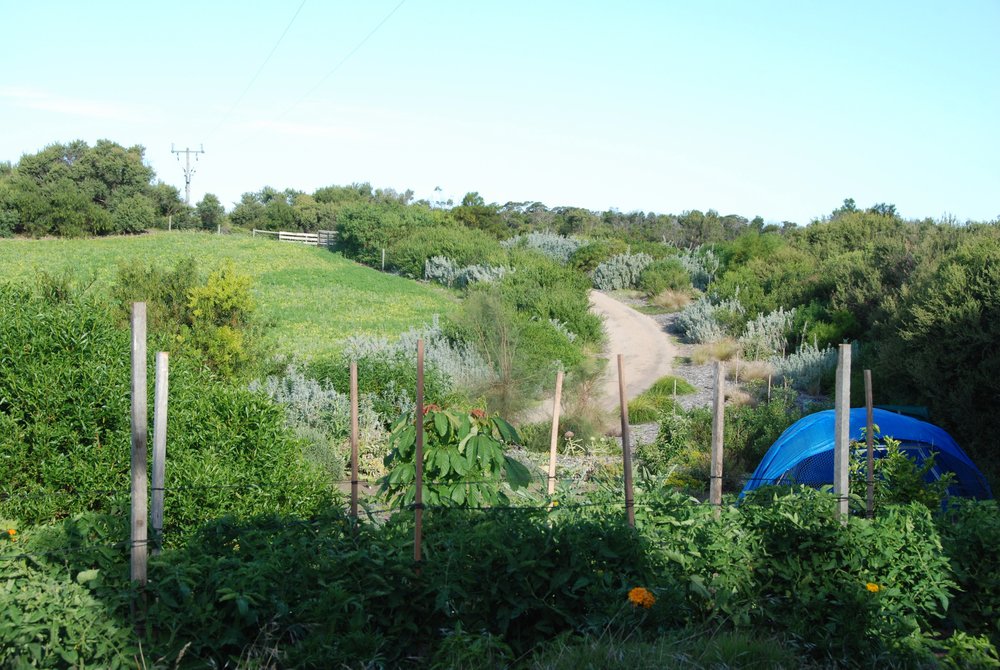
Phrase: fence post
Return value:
(139, 445)
(626, 445)
(418, 499)
(383, 260)
(842, 428)
(718, 426)
(354, 439)
(870, 439)
(555, 433)
(160, 395)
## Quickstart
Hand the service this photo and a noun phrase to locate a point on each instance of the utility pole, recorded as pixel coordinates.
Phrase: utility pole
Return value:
(188, 170)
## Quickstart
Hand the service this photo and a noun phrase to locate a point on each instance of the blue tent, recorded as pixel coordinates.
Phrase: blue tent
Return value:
(804, 453)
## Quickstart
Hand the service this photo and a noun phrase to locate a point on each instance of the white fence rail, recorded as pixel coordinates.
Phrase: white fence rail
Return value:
(321, 238)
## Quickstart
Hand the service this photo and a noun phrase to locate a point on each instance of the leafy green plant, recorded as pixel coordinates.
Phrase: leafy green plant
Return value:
(464, 463)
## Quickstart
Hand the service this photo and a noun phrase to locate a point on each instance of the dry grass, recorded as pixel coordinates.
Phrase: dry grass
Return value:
(745, 371)
(737, 397)
(671, 300)
(723, 350)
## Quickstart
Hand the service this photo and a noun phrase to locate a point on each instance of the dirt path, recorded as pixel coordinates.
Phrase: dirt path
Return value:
(647, 350)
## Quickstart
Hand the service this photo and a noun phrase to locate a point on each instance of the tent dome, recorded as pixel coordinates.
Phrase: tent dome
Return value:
(804, 452)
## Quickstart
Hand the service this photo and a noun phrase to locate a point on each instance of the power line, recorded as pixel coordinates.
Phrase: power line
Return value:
(342, 61)
(260, 69)
(188, 170)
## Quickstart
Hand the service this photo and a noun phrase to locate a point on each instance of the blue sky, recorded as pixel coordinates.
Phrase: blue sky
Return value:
(777, 109)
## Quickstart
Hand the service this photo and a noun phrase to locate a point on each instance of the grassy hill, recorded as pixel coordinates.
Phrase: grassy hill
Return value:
(313, 298)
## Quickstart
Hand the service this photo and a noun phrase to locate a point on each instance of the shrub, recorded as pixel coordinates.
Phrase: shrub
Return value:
(64, 390)
(672, 301)
(445, 271)
(322, 416)
(767, 334)
(541, 288)
(557, 247)
(806, 368)
(704, 321)
(701, 264)
(970, 535)
(587, 257)
(464, 463)
(409, 253)
(621, 271)
(663, 275)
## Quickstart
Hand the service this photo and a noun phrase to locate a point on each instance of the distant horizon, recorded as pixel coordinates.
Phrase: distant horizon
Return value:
(776, 109)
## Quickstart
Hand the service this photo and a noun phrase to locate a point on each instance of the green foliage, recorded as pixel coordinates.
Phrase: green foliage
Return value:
(970, 534)
(946, 332)
(464, 464)
(595, 252)
(662, 275)
(899, 478)
(658, 399)
(408, 253)
(621, 271)
(365, 229)
(211, 320)
(751, 429)
(75, 189)
(540, 287)
(64, 399)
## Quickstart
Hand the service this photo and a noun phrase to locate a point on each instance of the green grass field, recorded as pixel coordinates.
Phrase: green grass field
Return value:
(313, 298)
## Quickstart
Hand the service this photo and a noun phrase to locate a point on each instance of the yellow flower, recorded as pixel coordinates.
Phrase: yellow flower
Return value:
(874, 588)
(555, 503)
(641, 597)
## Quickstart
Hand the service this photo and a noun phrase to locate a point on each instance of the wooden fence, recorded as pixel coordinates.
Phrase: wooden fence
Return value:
(321, 238)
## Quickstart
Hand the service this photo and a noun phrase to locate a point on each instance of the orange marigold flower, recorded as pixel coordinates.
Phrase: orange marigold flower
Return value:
(874, 588)
(641, 597)
(11, 532)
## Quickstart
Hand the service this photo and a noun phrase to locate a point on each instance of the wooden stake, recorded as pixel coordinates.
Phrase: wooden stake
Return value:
(160, 395)
(418, 499)
(768, 387)
(718, 424)
(626, 445)
(139, 445)
(842, 434)
(553, 442)
(870, 439)
(354, 439)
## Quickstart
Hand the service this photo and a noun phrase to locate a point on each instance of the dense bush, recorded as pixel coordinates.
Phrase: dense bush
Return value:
(662, 275)
(806, 368)
(587, 257)
(557, 247)
(767, 334)
(542, 288)
(211, 319)
(364, 229)
(445, 271)
(64, 399)
(621, 271)
(408, 253)
(706, 321)
(970, 534)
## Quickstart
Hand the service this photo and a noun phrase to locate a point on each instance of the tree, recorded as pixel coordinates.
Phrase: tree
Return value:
(210, 212)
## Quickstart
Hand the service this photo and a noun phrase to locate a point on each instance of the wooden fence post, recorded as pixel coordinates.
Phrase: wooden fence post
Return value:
(160, 396)
(354, 439)
(553, 442)
(842, 434)
(139, 445)
(718, 426)
(626, 445)
(418, 499)
(870, 439)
